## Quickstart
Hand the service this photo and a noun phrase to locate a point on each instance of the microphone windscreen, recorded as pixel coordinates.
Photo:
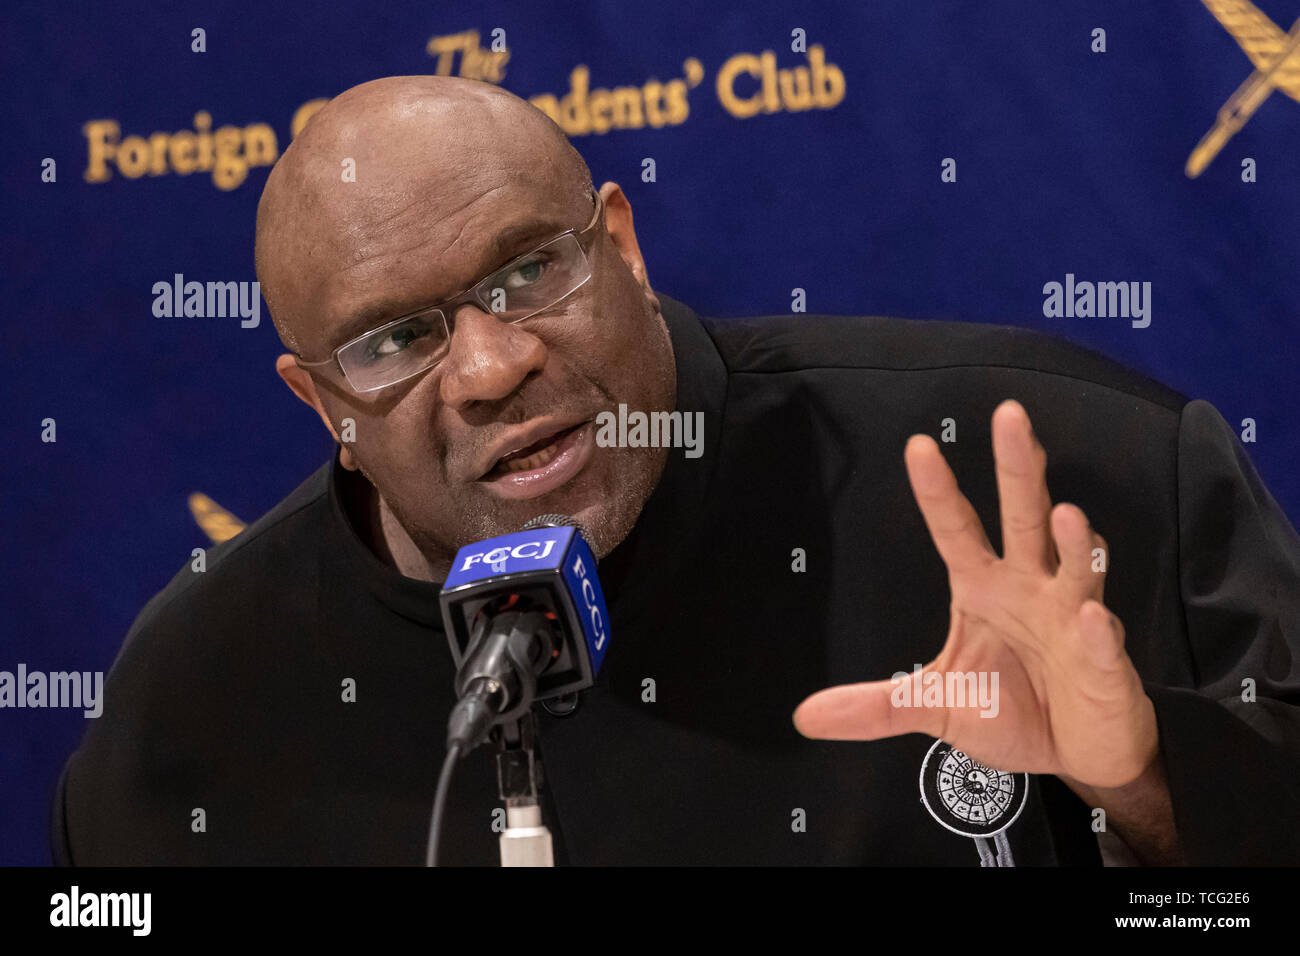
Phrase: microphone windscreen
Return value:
(557, 521)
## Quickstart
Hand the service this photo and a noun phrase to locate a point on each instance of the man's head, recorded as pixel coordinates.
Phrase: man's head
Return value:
(446, 169)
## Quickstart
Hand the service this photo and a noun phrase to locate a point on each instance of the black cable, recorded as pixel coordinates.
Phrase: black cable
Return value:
(439, 804)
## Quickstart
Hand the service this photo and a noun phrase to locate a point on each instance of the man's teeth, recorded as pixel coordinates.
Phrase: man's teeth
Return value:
(536, 460)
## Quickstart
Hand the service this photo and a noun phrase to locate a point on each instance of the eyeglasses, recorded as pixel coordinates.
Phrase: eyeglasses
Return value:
(523, 287)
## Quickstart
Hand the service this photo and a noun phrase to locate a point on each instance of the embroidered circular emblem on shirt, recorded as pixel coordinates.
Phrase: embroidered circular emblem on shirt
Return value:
(967, 797)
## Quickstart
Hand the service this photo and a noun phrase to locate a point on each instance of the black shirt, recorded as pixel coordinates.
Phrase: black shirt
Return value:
(227, 695)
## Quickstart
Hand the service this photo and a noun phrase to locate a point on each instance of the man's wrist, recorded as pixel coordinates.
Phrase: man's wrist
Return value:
(1141, 813)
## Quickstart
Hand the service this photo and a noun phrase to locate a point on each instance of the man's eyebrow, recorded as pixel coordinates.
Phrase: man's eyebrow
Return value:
(514, 240)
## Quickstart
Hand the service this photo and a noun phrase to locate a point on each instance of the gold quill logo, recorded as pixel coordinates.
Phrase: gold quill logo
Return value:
(1276, 56)
(215, 521)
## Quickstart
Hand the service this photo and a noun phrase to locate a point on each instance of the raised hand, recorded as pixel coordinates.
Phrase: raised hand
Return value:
(1069, 699)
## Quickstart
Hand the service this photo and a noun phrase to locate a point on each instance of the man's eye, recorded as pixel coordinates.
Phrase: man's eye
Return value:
(394, 341)
(524, 274)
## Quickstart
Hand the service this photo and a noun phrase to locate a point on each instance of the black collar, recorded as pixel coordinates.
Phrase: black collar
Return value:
(662, 532)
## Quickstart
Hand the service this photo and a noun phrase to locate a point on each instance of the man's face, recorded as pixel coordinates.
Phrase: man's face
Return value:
(502, 428)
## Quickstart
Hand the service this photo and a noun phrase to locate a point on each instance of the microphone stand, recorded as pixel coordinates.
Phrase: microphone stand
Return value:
(526, 841)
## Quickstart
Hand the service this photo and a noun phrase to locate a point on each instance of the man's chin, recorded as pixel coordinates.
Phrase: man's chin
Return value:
(605, 498)
(604, 518)
(588, 510)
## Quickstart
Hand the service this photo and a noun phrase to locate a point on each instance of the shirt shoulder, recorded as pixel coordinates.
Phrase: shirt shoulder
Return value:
(774, 344)
(278, 539)
(203, 674)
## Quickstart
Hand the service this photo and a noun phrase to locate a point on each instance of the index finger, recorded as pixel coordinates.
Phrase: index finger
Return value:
(954, 524)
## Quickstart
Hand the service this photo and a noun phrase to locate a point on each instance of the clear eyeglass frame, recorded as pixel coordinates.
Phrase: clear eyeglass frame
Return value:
(479, 294)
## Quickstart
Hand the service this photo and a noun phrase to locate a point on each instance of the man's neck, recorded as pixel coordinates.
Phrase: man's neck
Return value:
(385, 536)
(402, 552)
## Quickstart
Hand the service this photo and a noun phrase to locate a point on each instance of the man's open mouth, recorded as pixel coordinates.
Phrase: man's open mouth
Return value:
(537, 455)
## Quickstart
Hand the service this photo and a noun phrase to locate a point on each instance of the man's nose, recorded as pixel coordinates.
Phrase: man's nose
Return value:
(488, 359)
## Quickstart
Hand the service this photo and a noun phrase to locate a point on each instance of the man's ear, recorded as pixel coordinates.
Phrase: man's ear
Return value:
(301, 384)
(618, 223)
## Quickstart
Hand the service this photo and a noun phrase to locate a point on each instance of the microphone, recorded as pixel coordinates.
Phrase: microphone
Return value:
(526, 621)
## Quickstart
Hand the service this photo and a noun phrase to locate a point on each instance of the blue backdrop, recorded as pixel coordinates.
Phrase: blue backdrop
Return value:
(1068, 160)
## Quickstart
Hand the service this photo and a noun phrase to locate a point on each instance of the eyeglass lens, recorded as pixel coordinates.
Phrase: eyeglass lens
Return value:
(519, 290)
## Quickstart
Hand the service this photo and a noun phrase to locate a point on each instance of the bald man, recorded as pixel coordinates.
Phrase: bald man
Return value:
(462, 318)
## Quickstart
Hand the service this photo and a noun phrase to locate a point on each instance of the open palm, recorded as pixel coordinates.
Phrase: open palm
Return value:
(1069, 701)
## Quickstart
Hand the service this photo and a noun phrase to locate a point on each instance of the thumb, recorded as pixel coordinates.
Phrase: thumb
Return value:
(870, 711)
